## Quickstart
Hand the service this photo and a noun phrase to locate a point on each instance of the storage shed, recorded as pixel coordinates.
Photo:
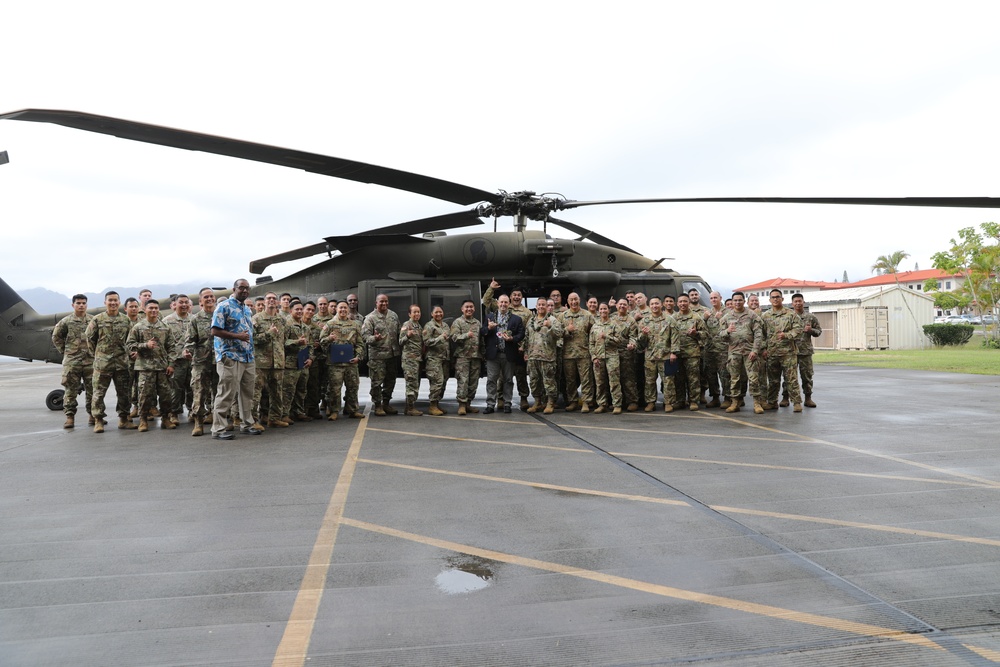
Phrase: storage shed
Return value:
(882, 317)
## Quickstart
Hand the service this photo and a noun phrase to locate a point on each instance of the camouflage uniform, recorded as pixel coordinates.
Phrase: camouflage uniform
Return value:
(520, 369)
(806, 354)
(578, 368)
(542, 336)
(687, 347)
(607, 378)
(319, 372)
(269, 360)
(657, 343)
(151, 363)
(204, 374)
(181, 379)
(627, 358)
(782, 353)
(413, 353)
(748, 337)
(716, 351)
(106, 336)
(293, 384)
(437, 339)
(381, 354)
(468, 356)
(346, 375)
(70, 337)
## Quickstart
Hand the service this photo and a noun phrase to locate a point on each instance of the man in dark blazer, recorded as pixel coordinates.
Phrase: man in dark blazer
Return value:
(503, 332)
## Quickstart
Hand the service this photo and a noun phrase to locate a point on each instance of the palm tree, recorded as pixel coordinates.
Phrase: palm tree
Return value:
(890, 264)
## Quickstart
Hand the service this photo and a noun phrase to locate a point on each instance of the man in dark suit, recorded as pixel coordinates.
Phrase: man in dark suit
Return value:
(503, 332)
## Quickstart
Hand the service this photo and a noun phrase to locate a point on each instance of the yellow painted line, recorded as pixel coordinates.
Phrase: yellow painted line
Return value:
(298, 631)
(916, 464)
(823, 471)
(490, 442)
(796, 440)
(852, 627)
(537, 485)
(988, 653)
(718, 508)
(856, 524)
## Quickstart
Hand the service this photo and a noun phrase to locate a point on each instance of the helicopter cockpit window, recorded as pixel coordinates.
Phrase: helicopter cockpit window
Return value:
(450, 299)
(703, 289)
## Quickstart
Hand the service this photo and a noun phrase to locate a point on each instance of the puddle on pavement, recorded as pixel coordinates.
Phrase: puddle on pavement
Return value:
(465, 574)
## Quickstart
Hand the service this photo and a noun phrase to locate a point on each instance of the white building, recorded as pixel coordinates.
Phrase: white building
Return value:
(879, 317)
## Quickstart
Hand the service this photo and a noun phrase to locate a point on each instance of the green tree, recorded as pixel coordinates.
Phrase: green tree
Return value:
(975, 255)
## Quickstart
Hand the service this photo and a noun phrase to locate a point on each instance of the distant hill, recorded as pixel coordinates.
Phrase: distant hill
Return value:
(47, 302)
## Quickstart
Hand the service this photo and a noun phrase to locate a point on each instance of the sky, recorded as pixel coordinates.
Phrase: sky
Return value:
(593, 101)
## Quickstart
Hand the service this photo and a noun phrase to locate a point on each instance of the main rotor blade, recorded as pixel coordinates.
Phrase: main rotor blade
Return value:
(284, 157)
(957, 202)
(258, 266)
(432, 224)
(592, 235)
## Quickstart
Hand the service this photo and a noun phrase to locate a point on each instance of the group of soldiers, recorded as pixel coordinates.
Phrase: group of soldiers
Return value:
(593, 357)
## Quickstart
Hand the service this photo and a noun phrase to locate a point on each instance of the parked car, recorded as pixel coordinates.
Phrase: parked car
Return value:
(989, 319)
(972, 319)
(952, 319)
(941, 319)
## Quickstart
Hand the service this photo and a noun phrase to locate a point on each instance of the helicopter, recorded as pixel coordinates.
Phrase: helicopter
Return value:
(418, 261)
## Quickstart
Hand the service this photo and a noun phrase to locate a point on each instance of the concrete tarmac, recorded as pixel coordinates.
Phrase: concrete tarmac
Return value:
(863, 532)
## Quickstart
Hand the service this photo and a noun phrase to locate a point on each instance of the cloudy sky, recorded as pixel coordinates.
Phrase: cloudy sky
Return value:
(594, 101)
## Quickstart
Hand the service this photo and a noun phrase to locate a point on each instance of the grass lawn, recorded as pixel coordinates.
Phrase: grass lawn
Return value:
(970, 358)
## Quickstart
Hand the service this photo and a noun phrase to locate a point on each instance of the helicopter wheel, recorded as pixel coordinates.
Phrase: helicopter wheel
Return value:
(54, 401)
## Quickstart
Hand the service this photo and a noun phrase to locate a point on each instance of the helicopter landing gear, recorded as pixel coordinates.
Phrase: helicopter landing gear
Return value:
(54, 401)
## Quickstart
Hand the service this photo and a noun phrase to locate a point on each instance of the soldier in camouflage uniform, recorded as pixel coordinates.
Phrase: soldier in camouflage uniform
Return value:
(542, 333)
(411, 340)
(180, 321)
(716, 351)
(380, 331)
(300, 403)
(605, 339)
(297, 340)
(578, 369)
(70, 337)
(319, 372)
(810, 329)
(437, 340)
(782, 332)
(106, 335)
(344, 330)
(627, 355)
(155, 346)
(269, 361)
(200, 344)
(686, 347)
(656, 331)
(466, 334)
(743, 332)
(518, 308)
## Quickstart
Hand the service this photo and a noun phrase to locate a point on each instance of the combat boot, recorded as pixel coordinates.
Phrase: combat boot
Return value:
(632, 407)
(333, 417)
(616, 411)
(411, 410)
(70, 421)
(572, 406)
(726, 403)
(167, 422)
(533, 409)
(585, 407)
(693, 407)
(435, 410)
(599, 410)
(668, 407)
(549, 408)
(277, 423)
(134, 413)
(388, 409)
(649, 407)
(471, 410)
(734, 406)
(379, 410)
(144, 425)
(809, 401)
(99, 426)
(196, 431)
(524, 404)
(714, 403)
(758, 409)
(784, 402)
(461, 408)
(90, 420)
(797, 407)
(125, 424)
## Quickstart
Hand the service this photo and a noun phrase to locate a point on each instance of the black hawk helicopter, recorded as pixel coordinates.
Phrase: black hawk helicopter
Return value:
(417, 261)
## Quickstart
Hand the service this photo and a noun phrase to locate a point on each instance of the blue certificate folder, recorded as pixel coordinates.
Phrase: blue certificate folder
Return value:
(670, 367)
(302, 358)
(341, 353)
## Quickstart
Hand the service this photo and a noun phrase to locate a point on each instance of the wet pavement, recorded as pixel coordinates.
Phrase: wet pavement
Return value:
(863, 532)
